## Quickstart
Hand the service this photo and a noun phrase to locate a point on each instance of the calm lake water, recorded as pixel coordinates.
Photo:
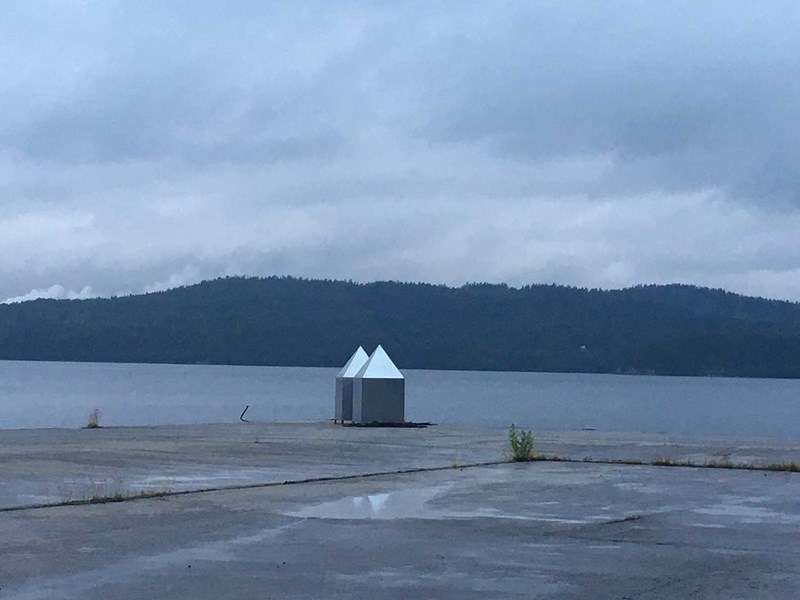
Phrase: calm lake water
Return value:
(42, 394)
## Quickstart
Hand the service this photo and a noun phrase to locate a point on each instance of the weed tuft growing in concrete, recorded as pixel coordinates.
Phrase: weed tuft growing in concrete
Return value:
(521, 444)
(789, 467)
(94, 419)
(666, 461)
(721, 464)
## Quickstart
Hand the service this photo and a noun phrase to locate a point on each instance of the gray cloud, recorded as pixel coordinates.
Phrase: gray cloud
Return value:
(153, 144)
(691, 94)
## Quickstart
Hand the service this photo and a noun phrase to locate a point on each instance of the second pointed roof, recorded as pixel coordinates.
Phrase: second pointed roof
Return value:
(355, 363)
(379, 366)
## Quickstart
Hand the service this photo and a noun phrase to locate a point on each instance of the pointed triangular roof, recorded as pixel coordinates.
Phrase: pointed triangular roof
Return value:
(354, 364)
(379, 366)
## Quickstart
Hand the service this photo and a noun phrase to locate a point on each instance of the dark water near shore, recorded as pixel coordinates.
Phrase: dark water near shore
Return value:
(41, 394)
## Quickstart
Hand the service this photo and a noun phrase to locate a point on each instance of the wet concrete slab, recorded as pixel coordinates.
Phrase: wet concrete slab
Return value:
(55, 465)
(535, 530)
(52, 465)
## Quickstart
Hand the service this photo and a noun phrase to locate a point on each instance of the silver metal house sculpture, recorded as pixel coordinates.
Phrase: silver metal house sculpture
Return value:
(379, 390)
(344, 386)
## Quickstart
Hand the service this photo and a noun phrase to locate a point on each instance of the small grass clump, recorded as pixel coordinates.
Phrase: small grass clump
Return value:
(666, 461)
(789, 467)
(521, 444)
(120, 496)
(626, 461)
(94, 419)
(721, 464)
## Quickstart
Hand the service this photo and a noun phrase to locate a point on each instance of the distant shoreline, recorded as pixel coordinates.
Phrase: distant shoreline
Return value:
(335, 367)
(661, 330)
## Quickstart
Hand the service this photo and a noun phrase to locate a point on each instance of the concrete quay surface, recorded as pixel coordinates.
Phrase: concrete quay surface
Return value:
(535, 530)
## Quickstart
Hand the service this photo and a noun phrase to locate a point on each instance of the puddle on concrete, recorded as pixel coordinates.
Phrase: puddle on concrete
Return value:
(26, 499)
(637, 486)
(746, 510)
(184, 482)
(414, 504)
(451, 579)
(748, 514)
(132, 569)
(403, 504)
(730, 551)
(205, 478)
(126, 483)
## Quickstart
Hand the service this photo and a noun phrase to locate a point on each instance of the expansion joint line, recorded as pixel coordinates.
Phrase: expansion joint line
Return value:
(246, 486)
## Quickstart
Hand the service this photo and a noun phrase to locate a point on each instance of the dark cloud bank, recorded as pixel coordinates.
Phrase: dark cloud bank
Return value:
(150, 144)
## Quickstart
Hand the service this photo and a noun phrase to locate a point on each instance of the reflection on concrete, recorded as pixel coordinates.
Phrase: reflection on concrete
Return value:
(538, 530)
(748, 510)
(415, 503)
(402, 504)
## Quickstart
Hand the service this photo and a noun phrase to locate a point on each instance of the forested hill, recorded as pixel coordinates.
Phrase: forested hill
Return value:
(673, 329)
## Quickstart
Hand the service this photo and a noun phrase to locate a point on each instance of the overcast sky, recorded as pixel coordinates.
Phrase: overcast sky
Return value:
(148, 144)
